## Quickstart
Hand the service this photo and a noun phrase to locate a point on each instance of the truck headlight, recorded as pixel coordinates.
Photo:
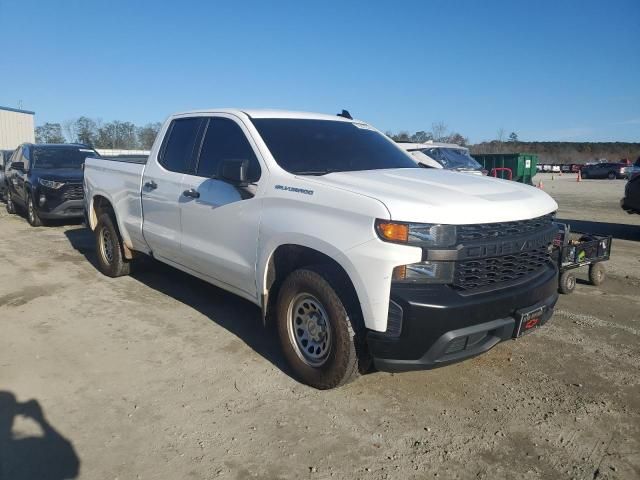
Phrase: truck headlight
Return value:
(50, 183)
(417, 234)
(425, 272)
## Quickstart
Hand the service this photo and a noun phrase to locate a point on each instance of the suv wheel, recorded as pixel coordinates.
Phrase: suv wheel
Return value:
(32, 214)
(11, 207)
(319, 333)
(111, 261)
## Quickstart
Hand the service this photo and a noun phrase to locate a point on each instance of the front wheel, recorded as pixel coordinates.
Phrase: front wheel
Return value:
(32, 214)
(319, 333)
(567, 282)
(109, 249)
(11, 207)
(611, 176)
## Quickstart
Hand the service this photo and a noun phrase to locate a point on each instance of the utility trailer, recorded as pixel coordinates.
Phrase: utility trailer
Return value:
(578, 249)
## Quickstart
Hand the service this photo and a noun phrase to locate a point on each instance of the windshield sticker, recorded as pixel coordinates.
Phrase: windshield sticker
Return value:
(294, 189)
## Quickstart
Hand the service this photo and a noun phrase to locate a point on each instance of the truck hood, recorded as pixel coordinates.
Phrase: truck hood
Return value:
(440, 196)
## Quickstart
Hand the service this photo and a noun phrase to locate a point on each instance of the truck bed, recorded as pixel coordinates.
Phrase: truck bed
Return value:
(120, 182)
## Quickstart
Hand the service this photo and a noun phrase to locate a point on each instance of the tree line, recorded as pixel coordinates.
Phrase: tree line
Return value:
(97, 134)
(439, 133)
(128, 136)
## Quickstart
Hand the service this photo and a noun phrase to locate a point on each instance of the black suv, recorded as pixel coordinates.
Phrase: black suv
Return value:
(46, 181)
(603, 170)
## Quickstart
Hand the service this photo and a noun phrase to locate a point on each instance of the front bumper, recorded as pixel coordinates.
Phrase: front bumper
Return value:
(66, 209)
(440, 325)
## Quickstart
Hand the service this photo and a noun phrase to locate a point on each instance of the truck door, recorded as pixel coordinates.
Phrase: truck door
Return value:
(219, 220)
(162, 187)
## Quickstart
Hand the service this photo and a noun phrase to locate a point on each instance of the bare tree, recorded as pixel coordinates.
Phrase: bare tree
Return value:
(439, 131)
(500, 135)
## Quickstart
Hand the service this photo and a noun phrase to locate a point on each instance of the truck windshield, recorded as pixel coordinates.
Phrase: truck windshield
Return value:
(61, 157)
(318, 147)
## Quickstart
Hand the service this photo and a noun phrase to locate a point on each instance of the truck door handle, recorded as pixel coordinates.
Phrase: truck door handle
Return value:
(151, 185)
(191, 193)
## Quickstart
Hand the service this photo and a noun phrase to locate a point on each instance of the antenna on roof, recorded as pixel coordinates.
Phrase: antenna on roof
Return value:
(345, 114)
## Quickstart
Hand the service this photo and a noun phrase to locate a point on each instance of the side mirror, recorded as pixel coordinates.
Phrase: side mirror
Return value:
(18, 166)
(235, 171)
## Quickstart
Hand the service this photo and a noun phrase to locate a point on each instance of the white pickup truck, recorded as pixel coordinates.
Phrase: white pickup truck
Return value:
(355, 252)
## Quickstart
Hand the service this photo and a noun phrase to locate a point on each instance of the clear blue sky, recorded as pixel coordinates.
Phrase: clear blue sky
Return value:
(549, 70)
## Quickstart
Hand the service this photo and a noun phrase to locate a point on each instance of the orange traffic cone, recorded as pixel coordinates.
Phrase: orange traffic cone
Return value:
(579, 177)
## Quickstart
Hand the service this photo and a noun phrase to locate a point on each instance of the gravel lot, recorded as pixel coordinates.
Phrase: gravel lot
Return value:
(160, 375)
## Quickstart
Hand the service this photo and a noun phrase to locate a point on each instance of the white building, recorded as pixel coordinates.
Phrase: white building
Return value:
(16, 127)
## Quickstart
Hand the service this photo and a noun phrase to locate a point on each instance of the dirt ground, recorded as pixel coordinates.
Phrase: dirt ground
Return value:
(160, 375)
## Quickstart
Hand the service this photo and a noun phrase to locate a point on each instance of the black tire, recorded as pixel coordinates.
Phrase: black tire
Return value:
(567, 282)
(596, 273)
(109, 249)
(612, 176)
(584, 174)
(10, 206)
(32, 214)
(345, 356)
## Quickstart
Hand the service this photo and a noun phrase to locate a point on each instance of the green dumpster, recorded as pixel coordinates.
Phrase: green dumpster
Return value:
(522, 165)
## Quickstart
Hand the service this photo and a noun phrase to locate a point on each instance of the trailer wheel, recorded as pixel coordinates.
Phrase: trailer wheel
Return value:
(596, 273)
(111, 261)
(567, 282)
(319, 333)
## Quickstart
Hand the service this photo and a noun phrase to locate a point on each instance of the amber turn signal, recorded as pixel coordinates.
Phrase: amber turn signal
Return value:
(395, 232)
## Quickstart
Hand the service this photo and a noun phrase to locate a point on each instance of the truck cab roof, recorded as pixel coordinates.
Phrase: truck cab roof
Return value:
(268, 113)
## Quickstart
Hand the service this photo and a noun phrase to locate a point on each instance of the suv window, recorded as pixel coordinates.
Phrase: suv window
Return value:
(225, 140)
(177, 153)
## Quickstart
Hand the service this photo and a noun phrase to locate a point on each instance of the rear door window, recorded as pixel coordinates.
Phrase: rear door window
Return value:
(178, 151)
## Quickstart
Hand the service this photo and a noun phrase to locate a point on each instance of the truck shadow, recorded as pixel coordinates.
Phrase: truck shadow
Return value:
(622, 231)
(48, 456)
(238, 316)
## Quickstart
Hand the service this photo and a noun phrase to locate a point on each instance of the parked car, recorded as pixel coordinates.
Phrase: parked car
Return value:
(603, 170)
(354, 251)
(5, 157)
(448, 156)
(46, 181)
(631, 200)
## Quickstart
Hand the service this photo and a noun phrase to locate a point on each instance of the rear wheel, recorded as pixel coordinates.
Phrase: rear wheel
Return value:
(11, 207)
(611, 176)
(596, 273)
(319, 332)
(109, 248)
(584, 175)
(567, 282)
(32, 214)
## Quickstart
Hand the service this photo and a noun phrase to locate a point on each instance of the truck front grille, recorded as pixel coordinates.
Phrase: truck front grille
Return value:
(485, 272)
(489, 231)
(73, 191)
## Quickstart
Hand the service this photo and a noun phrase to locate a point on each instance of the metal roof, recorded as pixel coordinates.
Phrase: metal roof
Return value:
(9, 109)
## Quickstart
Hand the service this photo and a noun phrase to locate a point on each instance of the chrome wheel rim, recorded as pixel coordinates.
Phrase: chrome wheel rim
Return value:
(106, 245)
(309, 329)
(9, 201)
(571, 282)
